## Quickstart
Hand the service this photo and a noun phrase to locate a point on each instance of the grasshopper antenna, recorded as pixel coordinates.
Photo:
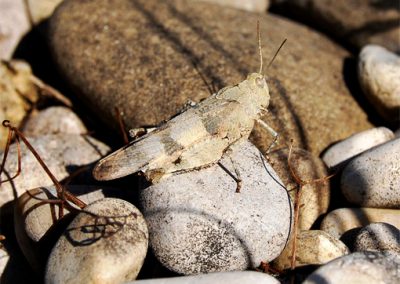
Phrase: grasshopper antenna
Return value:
(276, 53)
(259, 47)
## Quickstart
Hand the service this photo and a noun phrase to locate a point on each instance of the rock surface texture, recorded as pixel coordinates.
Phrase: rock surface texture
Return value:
(198, 223)
(356, 22)
(373, 178)
(359, 267)
(149, 57)
(378, 237)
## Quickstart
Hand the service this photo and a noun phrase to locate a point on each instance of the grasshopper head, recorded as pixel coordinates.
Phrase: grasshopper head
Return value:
(259, 91)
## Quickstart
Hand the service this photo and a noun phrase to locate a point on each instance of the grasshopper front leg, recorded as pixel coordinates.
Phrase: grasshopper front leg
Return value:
(271, 131)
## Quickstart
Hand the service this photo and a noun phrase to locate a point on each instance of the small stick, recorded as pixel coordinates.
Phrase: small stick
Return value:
(121, 126)
(301, 183)
(63, 194)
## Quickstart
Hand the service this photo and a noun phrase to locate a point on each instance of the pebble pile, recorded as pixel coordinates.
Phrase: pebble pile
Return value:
(322, 206)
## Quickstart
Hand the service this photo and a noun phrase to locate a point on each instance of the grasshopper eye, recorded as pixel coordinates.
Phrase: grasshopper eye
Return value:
(260, 81)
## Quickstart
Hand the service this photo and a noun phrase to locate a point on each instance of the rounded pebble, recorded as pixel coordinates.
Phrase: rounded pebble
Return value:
(61, 153)
(379, 75)
(373, 178)
(348, 148)
(105, 243)
(248, 5)
(199, 224)
(378, 237)
(313, 247)
(314, 197)
(54, 120)
(359, 267)
(342, 220)
(231, 277)
(34, 224)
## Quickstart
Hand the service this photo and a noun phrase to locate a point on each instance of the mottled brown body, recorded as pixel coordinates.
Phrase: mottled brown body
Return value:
(195, 138)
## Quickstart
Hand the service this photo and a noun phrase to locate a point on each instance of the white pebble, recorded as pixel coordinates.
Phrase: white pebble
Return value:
(373, 178)
(379, 75)
(359, 267)
(231, 277)
(339, 221)
(378, 237)
(105, 243)
(348, 148)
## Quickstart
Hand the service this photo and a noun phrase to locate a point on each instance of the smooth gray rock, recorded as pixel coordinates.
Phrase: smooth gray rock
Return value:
(350, 147)
(379, 75)
(61, 153)
(373, 178)
(105, 243)
(378, 237)
(359, 267)
(231, 277)
(54, 120)
(199, 224)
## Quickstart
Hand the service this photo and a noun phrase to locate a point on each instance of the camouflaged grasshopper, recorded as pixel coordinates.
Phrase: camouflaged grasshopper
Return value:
(197, 137)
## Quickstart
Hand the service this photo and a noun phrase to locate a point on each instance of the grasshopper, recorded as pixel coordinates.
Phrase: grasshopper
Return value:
(197, 137)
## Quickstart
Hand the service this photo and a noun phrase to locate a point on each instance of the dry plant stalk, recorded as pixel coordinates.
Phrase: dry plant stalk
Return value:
(63, 196)
(300, 184)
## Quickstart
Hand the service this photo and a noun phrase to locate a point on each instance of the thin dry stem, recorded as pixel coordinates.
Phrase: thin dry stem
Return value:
(300, 184)
(63, 195)
(122, 126)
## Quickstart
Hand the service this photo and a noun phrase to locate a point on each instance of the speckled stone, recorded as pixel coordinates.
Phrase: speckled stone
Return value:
(359, 267)
(343, 151)
(54, 120)
(378, 237)
(105, 243)
(373, 178)
(356, 22)
(231, 277)
(313, 247)
(342, 220)
(198, 223)
(149, 57)
(315, 197)
(61, 153)
(379, 75)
